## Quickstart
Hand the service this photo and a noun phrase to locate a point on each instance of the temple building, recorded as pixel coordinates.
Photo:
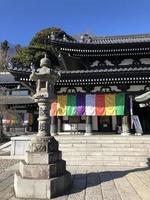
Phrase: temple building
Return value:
(100, 78)
(17, 108)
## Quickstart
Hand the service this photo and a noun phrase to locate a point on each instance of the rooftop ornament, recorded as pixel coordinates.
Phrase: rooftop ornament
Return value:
(52, 37)
(143, 97)
(82, 38)
(86, 38)
(64, 38)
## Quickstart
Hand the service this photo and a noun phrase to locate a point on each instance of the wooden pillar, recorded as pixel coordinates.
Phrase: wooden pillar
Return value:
(88, 125)
(53, 125)
(125, 126)
(125, 118)
(59, 124)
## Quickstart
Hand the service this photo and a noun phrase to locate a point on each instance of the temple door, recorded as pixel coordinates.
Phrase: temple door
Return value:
(105, 124)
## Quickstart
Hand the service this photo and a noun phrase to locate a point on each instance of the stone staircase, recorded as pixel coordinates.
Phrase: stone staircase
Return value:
(112, 150)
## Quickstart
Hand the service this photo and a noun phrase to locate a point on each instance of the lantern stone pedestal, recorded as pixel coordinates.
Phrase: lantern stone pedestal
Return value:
(43, 174)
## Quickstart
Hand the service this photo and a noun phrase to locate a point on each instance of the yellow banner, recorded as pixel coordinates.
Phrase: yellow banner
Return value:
(110, 104)
(61, 105)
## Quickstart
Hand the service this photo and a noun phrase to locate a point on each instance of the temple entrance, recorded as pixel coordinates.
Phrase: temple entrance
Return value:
(145, 119)
(143, 114)
(105, 124)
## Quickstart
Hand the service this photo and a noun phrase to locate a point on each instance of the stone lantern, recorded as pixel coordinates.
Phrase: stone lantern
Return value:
(43, 173)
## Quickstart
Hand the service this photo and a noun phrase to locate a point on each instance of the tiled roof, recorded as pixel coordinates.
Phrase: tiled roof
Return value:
(122, 39)
(125, 39)
(20, 69)
(7, 100)
(6, 77)
(142, 67)
(110, 69)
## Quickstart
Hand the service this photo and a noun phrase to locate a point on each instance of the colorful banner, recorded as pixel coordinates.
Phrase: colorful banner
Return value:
(80, 104)
(12, 119)
(71, 105)
(88, 105)
(61, 105)
(100, 105)
(53, 110)
(120, 102)
(6, 120)
(28, 118)
(110, 104)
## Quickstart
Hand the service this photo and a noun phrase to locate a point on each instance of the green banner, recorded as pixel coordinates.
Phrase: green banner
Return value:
(120, 100)
(71, 105)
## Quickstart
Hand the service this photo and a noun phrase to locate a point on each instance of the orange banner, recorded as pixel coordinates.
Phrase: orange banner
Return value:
(53, 111)
(100, 104)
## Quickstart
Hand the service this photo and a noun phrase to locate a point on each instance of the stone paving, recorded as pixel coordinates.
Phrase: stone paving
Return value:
(5, 163)
(94, 183)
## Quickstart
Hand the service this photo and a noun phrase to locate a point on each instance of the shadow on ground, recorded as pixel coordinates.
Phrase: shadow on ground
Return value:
(85, 180)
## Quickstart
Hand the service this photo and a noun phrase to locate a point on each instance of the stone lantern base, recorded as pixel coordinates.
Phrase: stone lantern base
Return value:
(43, 174)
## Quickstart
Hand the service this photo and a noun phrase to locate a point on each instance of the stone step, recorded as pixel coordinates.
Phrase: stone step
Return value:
(106, 163)
(128, 150)
(101, 139)
(110, 148)
(108, 158)
(104, 141)
(106, 153)
(5, 146)
(105, 150)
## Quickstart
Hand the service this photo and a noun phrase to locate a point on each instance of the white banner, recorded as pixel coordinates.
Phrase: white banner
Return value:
(131, 111)
(90, 105)
(137, 124)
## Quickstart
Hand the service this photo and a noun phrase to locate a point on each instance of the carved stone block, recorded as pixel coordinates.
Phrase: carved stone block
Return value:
(43, 144)
(42, 171)
(41, 189)
(42, 157)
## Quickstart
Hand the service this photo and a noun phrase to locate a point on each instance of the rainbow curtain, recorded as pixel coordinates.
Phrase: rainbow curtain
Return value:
(12, 119)
(6, 120)
(88, 105)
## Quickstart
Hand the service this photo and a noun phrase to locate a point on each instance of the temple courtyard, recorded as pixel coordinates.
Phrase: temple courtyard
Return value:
(89, 182)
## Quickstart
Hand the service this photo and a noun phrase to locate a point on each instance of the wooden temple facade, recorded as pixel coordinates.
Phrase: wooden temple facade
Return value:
(99, 66)
(18, 111)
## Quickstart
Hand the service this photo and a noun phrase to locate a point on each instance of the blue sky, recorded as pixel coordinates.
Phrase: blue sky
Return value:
(21, 19)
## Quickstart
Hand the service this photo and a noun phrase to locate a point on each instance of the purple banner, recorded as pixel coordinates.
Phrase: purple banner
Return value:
(80, 105)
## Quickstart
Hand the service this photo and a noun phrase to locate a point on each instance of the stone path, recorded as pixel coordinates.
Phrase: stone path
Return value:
(5, 163)
(94, 183)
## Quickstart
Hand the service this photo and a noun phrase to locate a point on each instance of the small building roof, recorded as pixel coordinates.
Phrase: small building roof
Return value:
(7, 77)
(13, 100)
